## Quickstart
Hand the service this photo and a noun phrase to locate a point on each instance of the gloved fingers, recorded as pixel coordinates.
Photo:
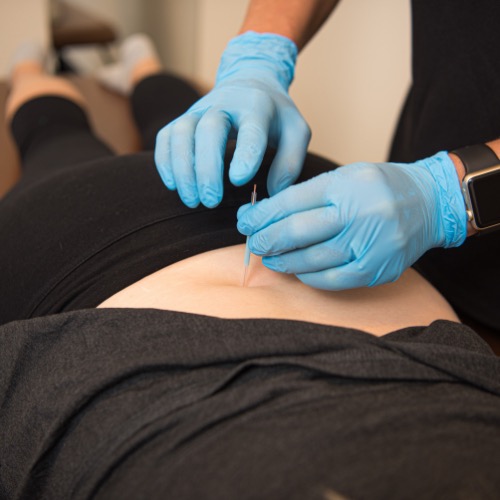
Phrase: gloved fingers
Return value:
(243, 209)
(162, 158)
(301, 197)
(315, 258)
(356, 273)
(299, 230)
(182, 133)
(343, 277)
(289, 159)
(210, 143)
(251, 144)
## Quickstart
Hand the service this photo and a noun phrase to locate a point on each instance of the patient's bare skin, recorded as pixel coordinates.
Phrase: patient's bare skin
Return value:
(211, 284)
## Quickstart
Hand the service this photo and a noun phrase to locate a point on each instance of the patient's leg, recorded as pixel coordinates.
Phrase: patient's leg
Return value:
(48, 123)
(29, 81)
(157, 98)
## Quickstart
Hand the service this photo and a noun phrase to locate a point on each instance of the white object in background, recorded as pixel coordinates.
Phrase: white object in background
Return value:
(22, 21)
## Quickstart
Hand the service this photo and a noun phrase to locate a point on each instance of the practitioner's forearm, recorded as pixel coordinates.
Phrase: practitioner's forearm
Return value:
(495, 146)
(298, 20)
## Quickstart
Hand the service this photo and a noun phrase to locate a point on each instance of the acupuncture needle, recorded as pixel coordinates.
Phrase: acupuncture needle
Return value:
(246, 260)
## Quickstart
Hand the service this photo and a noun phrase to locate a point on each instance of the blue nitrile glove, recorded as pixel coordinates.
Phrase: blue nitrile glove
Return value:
(360, 225)
(250, 99)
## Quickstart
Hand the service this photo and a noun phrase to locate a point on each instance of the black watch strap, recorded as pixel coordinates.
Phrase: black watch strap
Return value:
(476, 157)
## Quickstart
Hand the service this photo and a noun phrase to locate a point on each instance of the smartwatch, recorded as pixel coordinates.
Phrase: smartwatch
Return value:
(481, 186)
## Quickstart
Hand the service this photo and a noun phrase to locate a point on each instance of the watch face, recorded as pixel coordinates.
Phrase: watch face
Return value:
(484, 192)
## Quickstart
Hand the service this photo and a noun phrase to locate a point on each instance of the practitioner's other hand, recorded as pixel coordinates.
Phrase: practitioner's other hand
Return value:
(360, 225)
(250, 100)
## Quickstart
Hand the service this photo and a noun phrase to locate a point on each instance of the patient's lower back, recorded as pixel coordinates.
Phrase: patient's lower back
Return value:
(211, 284)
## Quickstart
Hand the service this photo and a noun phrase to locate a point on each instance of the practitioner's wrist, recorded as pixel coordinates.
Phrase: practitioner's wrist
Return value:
(470, 163)
(259, 55)
(440, 182)
(460, 170)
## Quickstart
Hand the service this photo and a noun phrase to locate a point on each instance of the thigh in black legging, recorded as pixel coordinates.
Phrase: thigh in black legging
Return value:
(51, 134)
(158, 100)
(78, 236)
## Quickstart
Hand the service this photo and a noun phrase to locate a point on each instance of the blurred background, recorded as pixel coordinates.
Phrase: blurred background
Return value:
(350, 81)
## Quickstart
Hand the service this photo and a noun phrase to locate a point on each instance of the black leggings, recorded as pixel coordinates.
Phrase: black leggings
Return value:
(83, 223)
(53, 133)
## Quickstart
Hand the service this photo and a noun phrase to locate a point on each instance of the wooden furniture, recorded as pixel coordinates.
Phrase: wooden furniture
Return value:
(74, 26)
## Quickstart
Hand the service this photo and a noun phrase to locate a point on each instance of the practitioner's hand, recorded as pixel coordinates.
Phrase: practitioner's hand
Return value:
(360, 225)
(250, 99)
